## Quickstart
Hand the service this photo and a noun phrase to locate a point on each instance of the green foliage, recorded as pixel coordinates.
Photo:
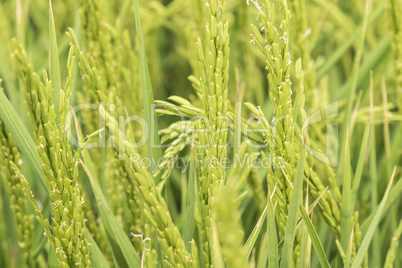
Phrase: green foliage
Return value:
(187, 133)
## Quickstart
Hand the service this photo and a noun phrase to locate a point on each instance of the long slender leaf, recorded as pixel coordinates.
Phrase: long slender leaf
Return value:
(154, 151)
(290, 230)
(354, 77)
(335, 56)
(254, 234)
(54, 64)
(217, 257)
(190, 203)
(350, 250)
(51, 259)
(359, 168)
(346, 206)
(373, 225)
(21, 136)
(377, 55)
(315, 239)
(376, 248)
(263, 252)
(305, 244)
(392, 198)
(97, 257)
(112, 227)
(272, 235)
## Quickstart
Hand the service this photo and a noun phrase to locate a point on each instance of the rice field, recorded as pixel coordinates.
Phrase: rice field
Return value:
(188, 133)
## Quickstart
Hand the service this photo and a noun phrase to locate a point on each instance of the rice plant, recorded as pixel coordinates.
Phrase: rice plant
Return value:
(187, 133)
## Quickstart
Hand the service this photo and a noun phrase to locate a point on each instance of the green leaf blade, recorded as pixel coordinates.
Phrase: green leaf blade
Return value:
(290, 230)
(314, 239)
(55, 75)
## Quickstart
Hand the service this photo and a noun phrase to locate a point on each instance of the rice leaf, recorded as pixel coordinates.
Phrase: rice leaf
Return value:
(22, 138)
(314, 239)
(350, 250)
(346, 206)
(337, 54)
(248, 246)
(272, 236)
(154, 151)
(51, 259)
(360, 163)
(372, 227)
(97, 257)
(290, 231)
(263, 252)
(112, 227)
(376, 248)
(354, 78)
(393, 197)
(190, 204)
(54, 64)
(305, 244)
(217, 258)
